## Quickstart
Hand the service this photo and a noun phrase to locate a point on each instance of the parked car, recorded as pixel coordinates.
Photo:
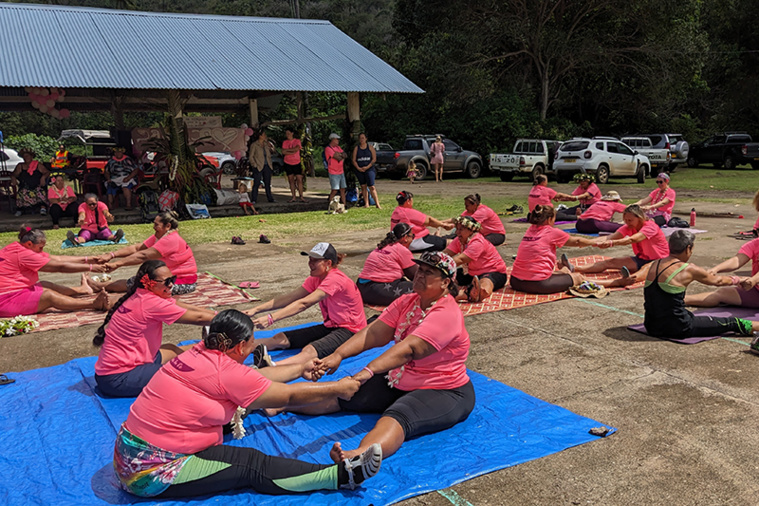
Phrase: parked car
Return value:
(677, 145)
(660, 158)
(97, 147)
(231, 166)
(9, 159)
(417, 148)
(530, 157)
(728, 149)
(385, 156)
(605, 157)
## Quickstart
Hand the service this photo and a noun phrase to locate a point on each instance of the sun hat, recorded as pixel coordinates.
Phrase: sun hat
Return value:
(441, 261)
(468, 222)
(589, 289)
(611, 195)
(22, 151)
(333, 135)
(322, 251)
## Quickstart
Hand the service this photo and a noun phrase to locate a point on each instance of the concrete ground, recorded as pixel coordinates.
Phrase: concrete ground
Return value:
(684, 414)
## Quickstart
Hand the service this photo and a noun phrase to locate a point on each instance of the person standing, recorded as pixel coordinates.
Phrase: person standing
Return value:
(259, 157)
(60, 196)
(364, 158)
(30, 178)
(121, 173)
(335, 157)
(437, 150)
(291, 147)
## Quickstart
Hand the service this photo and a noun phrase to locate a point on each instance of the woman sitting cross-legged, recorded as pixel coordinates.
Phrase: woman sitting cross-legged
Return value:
(491, 225)
(587, 193)
(747, 295)
(387, 269)
(171, 443)
(420, 384)
(21, 292)
(93, 223)
(470, 250)
(339, 301)
(648, 244)
(130, 337)
(666, 283)
(534, 267)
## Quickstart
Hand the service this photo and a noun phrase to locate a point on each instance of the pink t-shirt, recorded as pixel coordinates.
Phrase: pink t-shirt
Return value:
(54, 193)
(536, 255)
(485, 257)
(603, 210)
(412, 217)
(334, 167)
(387, 264)
(595, 194)
(293, 159)
(89, 216)
(184, 406)
(19, 267)
(653, 247)
(657, 196)
(750, 249)
(134, 334)
(540, 196)
(491, 223)
(175, 252)
(756, 224)
(343, 306)
(443, 328)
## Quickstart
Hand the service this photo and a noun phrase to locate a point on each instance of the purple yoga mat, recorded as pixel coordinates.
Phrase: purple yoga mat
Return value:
(718, 312)
(524, 220)
(669, 231)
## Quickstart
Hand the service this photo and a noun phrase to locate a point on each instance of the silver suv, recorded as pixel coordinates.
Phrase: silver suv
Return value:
(677, 145)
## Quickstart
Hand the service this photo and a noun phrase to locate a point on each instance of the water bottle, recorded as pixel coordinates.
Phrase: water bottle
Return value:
(693, 217)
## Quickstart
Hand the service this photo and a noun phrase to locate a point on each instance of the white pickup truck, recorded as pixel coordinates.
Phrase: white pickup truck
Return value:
(659, 158)
(530, 158)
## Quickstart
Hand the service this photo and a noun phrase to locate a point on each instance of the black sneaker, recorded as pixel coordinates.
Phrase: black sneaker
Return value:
(261, 357)
(746, 329)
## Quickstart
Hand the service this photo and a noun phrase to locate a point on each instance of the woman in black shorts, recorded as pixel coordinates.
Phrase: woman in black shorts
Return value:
(291, 150)
(388, 269)
(420, 384)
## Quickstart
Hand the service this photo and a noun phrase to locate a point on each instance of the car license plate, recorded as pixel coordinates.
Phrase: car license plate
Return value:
(570, 160)
(756, 158)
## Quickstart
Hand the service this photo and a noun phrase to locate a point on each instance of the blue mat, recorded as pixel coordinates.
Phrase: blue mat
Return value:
(57, 438)
(574, 231)
(97, 242)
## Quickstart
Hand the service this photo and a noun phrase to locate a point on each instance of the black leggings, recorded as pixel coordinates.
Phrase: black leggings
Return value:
(56, 212)
(497, 278)
(701, 326)
(377, 293)
(422, 411)
(496, 239)
(568, 214)
(255, 470)
(325, 340)
(558, 282)
(593, 226)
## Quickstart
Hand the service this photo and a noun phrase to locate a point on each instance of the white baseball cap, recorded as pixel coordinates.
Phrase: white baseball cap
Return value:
(333, 135)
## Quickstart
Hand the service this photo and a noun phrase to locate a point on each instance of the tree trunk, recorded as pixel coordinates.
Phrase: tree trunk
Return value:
(544, 95)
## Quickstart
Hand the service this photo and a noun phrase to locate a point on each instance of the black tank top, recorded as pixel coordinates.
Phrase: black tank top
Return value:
(363, 156)
(665, 313)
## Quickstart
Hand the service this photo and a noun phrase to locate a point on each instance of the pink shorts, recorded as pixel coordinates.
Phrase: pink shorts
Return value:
(21, 302)
(748, 298)
(103, 235)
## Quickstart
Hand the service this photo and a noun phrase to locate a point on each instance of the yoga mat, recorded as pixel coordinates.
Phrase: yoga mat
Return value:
(669, 231)
(717, 312)
(97, 242)
(524, 220)
(574, 231)
(211, 292)
(58, 437)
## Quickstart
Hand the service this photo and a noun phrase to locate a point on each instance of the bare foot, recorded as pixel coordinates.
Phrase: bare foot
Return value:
(336, 453)
(94, 285)
(101, 301)
(272, 411)
(379, 206)
(85, 288)
(302, 200)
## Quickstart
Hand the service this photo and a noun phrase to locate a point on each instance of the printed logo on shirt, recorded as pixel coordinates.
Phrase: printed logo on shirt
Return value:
(123, 310)
(177, 364)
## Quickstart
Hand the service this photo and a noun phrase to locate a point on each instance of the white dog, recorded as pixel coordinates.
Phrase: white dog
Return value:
(335, 207)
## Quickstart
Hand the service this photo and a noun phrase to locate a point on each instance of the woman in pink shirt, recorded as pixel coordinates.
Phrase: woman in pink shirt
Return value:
(165, 244)
(388, 269)
(171, 444)
(587, 193)
(542, 195)
(339, 301)
(491, 226)
(420, 384)
(746, 295)
(486, 270)
(660, 202)
(62, 201)
(597, 218)
(405, 213)
(130, 338)
(93, 222)
(534, 267)
(21, 291)
(648, 244)
(291, 150)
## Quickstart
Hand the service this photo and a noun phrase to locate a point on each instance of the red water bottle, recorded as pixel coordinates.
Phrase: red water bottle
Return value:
(693, 217)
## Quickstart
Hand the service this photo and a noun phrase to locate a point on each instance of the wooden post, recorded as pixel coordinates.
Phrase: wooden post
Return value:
(354, 115)
(253, 104)
(117, 110)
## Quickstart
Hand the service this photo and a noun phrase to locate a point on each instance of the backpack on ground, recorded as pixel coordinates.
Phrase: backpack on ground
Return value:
(149, 206)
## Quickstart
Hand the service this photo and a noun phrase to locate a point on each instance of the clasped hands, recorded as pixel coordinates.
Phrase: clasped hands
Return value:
(314, 370)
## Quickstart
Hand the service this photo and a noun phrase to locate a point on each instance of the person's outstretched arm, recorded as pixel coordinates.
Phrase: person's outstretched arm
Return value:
(375, 335)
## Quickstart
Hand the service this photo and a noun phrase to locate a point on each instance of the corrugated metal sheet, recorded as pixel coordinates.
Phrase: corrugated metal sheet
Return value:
(71, 47)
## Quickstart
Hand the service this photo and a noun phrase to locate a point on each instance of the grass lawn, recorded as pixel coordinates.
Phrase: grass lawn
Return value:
(744, 179)
(278, 226)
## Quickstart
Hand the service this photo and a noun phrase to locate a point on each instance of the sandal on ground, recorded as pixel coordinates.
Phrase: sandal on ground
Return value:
(565, 262)
(5, 380)
(362, 467)
(237, 240)
(261, 357)
(118, 236)
(263, 239)
(72, 238)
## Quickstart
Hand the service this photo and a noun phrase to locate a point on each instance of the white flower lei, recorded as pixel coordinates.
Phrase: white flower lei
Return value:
(394, 376)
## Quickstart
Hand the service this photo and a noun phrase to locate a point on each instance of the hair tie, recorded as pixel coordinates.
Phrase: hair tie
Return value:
(28, 229)
(147, 282)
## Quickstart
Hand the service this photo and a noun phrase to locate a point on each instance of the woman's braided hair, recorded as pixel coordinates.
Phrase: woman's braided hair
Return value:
(148, 268)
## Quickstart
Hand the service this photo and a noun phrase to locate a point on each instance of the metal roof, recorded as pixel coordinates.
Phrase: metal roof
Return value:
(74, 47)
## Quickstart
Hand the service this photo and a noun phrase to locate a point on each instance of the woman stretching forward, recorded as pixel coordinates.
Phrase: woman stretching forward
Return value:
(383, 278)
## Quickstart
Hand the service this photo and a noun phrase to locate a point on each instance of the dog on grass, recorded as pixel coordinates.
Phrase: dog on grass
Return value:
(335, 207)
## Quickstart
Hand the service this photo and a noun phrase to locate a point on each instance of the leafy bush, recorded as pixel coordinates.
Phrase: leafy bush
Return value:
(42, 145)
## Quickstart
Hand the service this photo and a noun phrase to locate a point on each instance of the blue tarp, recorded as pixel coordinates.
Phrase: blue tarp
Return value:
(97, 242)
(57, 440)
